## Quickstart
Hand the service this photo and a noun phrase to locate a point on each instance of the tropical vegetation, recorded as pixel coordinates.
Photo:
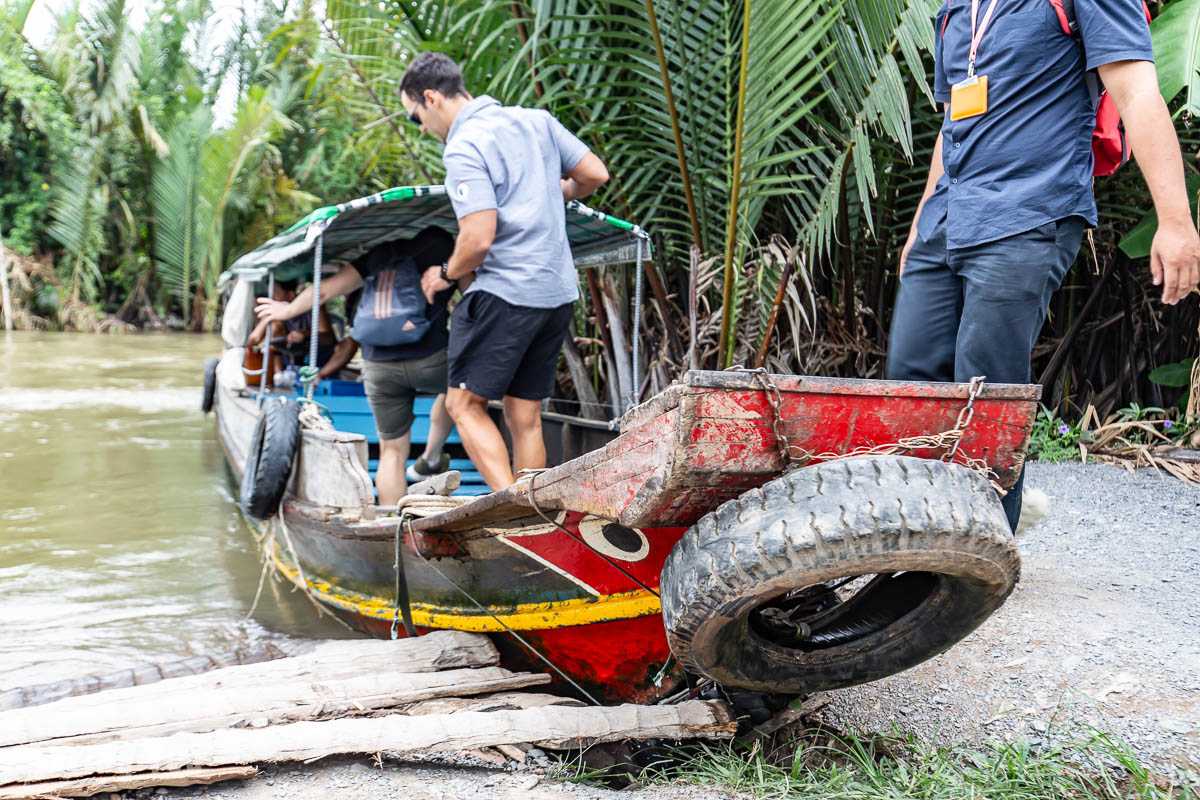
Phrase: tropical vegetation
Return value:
(777, 151)
(822, 762)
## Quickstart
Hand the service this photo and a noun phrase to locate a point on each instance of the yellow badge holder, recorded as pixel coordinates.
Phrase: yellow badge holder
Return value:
(969, 98)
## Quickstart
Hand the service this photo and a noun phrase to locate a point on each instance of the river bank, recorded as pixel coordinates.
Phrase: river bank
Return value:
(120, 541)
(1099, 635)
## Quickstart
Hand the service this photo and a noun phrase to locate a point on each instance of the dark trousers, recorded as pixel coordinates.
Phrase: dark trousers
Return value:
(978, 310)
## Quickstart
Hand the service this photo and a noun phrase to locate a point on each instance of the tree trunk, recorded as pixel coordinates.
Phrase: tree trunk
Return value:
(589, 404)
(5, 298)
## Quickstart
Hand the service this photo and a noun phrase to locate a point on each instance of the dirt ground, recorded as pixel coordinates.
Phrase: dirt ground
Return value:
(1103, 632)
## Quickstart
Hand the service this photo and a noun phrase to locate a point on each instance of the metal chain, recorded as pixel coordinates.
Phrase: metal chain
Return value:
(965, 415)
(775, 401)
(947, 441)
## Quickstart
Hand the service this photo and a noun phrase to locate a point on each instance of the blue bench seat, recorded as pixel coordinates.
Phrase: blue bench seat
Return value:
(346, 403)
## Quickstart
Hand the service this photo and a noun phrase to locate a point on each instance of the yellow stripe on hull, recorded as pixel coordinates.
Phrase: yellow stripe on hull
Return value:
(521, 617)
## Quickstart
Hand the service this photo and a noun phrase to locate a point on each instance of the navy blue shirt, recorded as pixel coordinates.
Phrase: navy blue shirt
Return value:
(1028, 160)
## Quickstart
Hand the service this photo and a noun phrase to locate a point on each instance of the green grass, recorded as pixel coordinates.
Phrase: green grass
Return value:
(1052, 439)
(819, 765)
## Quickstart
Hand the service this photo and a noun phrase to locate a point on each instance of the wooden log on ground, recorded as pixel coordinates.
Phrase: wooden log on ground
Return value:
(139, 675)
(258, 706)
(86, 787)
(328, 661)
(551, 726)
(501, 701)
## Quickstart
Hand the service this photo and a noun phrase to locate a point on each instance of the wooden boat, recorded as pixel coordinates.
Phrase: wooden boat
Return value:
(571, 569)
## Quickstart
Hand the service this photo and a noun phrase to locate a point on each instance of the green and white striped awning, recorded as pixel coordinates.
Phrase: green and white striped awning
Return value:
(350, 229)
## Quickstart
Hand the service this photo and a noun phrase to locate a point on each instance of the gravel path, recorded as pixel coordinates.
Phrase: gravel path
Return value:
(1102, 631)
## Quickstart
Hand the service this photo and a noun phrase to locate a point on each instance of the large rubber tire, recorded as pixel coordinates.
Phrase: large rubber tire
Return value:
(938, 529)
(269, 460)
(210, 384)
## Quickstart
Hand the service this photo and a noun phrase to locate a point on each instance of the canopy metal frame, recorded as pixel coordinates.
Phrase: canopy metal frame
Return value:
(336, 233)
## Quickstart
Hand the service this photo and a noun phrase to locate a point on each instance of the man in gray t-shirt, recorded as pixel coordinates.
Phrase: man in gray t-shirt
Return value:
(509, 171)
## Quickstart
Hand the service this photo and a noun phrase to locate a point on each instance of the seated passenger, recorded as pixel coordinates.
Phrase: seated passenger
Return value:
(343, 352)
(403, 338)
(290, 337)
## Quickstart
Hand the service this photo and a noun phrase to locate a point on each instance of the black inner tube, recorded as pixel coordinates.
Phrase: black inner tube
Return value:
(817, 617)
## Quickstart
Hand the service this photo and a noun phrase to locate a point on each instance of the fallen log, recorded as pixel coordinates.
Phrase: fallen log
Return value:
(551, 726)
(501, 701)
(139, 675)
(86, 787)
(328, 661)
(260, 705)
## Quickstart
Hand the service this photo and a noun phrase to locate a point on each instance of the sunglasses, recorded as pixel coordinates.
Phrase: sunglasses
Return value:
(414, 119)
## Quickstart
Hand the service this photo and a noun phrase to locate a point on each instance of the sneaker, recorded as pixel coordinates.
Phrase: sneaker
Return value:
(421, 469)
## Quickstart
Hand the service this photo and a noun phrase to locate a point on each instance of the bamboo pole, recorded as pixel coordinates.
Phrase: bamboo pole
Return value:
(676, 129)
(780, 293)
(725, 343)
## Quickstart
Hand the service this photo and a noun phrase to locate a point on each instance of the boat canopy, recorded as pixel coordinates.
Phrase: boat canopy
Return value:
(350, 229)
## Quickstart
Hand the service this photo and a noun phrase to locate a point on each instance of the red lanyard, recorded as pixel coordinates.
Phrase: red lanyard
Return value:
(977, 34)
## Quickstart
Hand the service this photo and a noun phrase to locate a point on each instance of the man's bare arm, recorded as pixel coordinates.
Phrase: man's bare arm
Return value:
(343, 352)
(1175, 253)
(476, 232)
(936, 170)
(256, 336)
(587, 176)
(346, 280)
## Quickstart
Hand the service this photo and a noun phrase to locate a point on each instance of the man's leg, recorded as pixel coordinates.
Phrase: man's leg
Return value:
(533, 382)
(490, 340)
(1008, 284)
(925, 319)
(440, 425)
(389, 479)
(390, 394)
(480, 437)
(524, 421)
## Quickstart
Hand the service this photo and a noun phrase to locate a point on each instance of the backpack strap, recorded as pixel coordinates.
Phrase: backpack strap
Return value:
(1065, 11)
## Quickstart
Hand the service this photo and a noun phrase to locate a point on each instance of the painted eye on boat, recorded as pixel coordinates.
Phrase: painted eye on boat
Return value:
(613, 540)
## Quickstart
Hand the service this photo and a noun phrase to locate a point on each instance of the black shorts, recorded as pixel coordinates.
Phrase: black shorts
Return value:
(499, 349)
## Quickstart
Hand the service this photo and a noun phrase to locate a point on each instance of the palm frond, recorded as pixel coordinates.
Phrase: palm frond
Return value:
(77, 217)
(182, 212)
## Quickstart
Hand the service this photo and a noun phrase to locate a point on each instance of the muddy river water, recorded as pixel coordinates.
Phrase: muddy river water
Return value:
(120, 542)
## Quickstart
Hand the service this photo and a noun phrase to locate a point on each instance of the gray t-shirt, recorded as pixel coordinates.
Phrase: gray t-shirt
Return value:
(511, 159)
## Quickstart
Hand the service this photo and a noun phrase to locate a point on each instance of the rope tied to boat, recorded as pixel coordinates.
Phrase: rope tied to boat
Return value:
(532, 494)
(948, 441)
(401, 608)
(405, 524)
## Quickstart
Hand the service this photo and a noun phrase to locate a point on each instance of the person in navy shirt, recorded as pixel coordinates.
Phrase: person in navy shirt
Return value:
(1009, 192)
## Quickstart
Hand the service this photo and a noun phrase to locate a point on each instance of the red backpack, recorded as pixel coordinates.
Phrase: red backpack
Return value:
(1110, 147)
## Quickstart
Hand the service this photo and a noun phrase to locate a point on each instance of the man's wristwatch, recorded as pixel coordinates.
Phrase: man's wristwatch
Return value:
(443, 270)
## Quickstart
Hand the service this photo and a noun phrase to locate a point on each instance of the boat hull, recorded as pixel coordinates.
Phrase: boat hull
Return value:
(564, 568)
